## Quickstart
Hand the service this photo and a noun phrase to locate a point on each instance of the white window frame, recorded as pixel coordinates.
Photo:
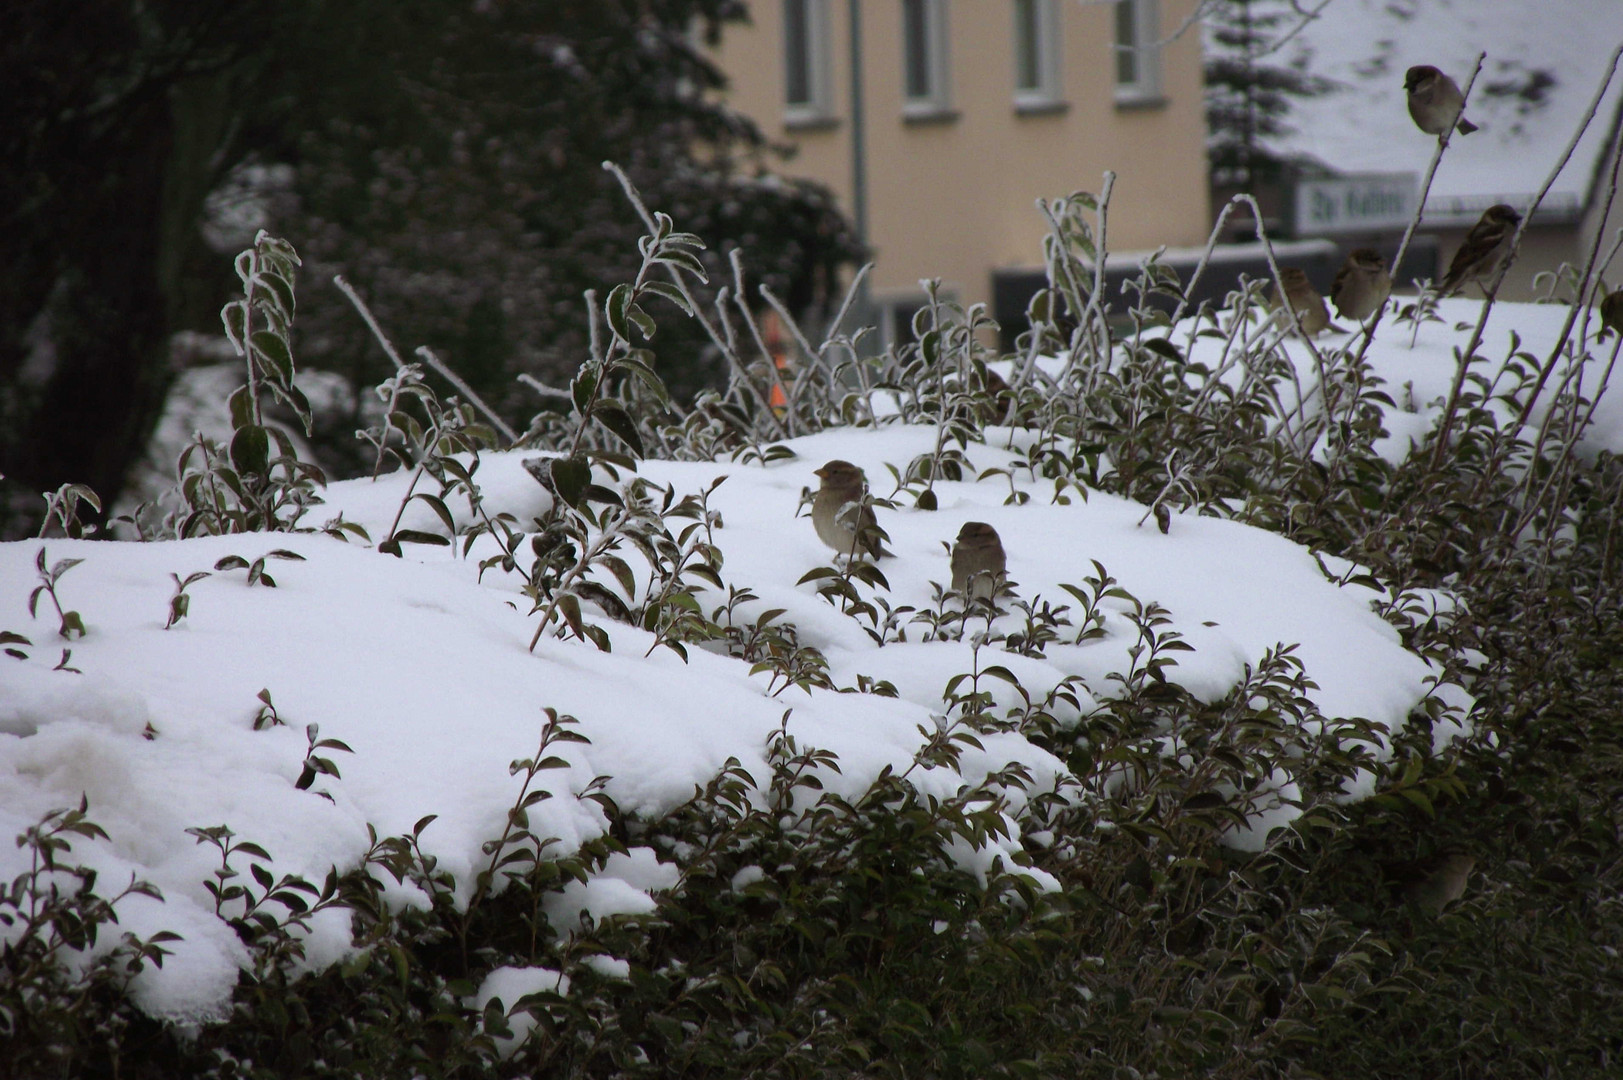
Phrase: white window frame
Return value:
(1142, 20)
(818, 108)
(1045, 90)
(937, 98)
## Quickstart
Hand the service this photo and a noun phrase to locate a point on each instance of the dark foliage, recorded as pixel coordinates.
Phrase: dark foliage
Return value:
(445, 156)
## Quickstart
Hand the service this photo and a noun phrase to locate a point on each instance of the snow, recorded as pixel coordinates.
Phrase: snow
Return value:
(424, 671)
(508, 985)
(1367, 45)
(1418, 369)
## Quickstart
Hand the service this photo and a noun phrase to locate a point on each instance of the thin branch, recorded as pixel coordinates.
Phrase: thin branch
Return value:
(1440, 446)
(725, 344)
(542, 388)
(388, 347)
(1594, 249)
(467, 391)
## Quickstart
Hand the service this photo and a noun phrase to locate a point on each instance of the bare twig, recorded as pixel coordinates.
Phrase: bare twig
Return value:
(727, 344)
(389, 350)
(1440, 446)
(467, 391)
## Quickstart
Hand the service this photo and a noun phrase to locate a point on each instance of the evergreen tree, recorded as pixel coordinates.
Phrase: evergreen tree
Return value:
(445, 156)
(1248, 89)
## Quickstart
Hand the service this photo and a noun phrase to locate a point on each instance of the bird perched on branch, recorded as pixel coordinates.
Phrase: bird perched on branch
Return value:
(1435, 101)
(843, 520)
(1362, 285)
(978, 562)
(1611, 311)
(1295, 291)
(1443, 885)
(1485, 247)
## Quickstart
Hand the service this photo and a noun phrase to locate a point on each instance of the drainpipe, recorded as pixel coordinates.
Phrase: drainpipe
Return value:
(859, 161)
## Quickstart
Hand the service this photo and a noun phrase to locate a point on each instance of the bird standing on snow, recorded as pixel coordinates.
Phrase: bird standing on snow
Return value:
(1435, 101)
(843, 521)
(1485, 246)
(1294, 290)
(1362, 285)
(978, 562)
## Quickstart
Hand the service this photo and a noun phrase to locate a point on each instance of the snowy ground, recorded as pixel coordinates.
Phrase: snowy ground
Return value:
(1418, 369)
(425, 672)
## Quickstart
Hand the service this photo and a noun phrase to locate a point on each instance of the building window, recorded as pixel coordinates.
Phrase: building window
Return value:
(806, 76)
(1138, 54)
(1036, 54)
(924, 59)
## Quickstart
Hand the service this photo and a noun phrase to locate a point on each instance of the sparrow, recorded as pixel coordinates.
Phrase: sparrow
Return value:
(1435, 101)
(843, 521)
(1362, 285)
(1611, 311)
(978, 562)
(1304, 300)
(1444, 885)
(1485, 245)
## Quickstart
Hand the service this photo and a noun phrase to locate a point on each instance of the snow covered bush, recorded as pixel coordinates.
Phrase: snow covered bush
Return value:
(1288, 626)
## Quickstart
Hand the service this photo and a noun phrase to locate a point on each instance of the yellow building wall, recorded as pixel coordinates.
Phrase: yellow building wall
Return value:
(955, 199)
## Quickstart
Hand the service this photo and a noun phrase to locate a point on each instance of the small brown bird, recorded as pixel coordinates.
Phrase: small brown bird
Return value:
(843, 521)
(1304, 300)
(978, 562)
(1485, 245)
(1611, 311)
(1435, 101)
(1362, 285)
(1444, 885)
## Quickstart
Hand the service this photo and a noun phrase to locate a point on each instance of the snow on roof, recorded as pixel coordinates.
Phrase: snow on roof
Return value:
(1526, 121)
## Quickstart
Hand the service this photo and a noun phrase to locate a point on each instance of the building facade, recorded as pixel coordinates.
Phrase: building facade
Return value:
(939, 123)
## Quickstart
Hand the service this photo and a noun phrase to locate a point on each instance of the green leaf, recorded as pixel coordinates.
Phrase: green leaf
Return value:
(250, 450)
(645, 373)
(569, 607)
(622, 574)
(414, 536)
(583, 388)
(569, 479)
(1164, 348)
(273, 353)
(241, 404)
(281, 289)
(436, 504)
(644, 322)
(615, 309)
(616, 420)
(669, 292)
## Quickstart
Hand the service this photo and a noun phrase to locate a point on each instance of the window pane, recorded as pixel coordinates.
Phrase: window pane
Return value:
(916, 33)
(797, 52)
(1127, 35)
(1027, 57)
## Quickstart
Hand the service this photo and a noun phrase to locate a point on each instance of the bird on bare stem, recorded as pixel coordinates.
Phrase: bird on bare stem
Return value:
(1295, 291)
(1611, 311)
(1361, 286)
(1484, 248)
(1435, 101)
